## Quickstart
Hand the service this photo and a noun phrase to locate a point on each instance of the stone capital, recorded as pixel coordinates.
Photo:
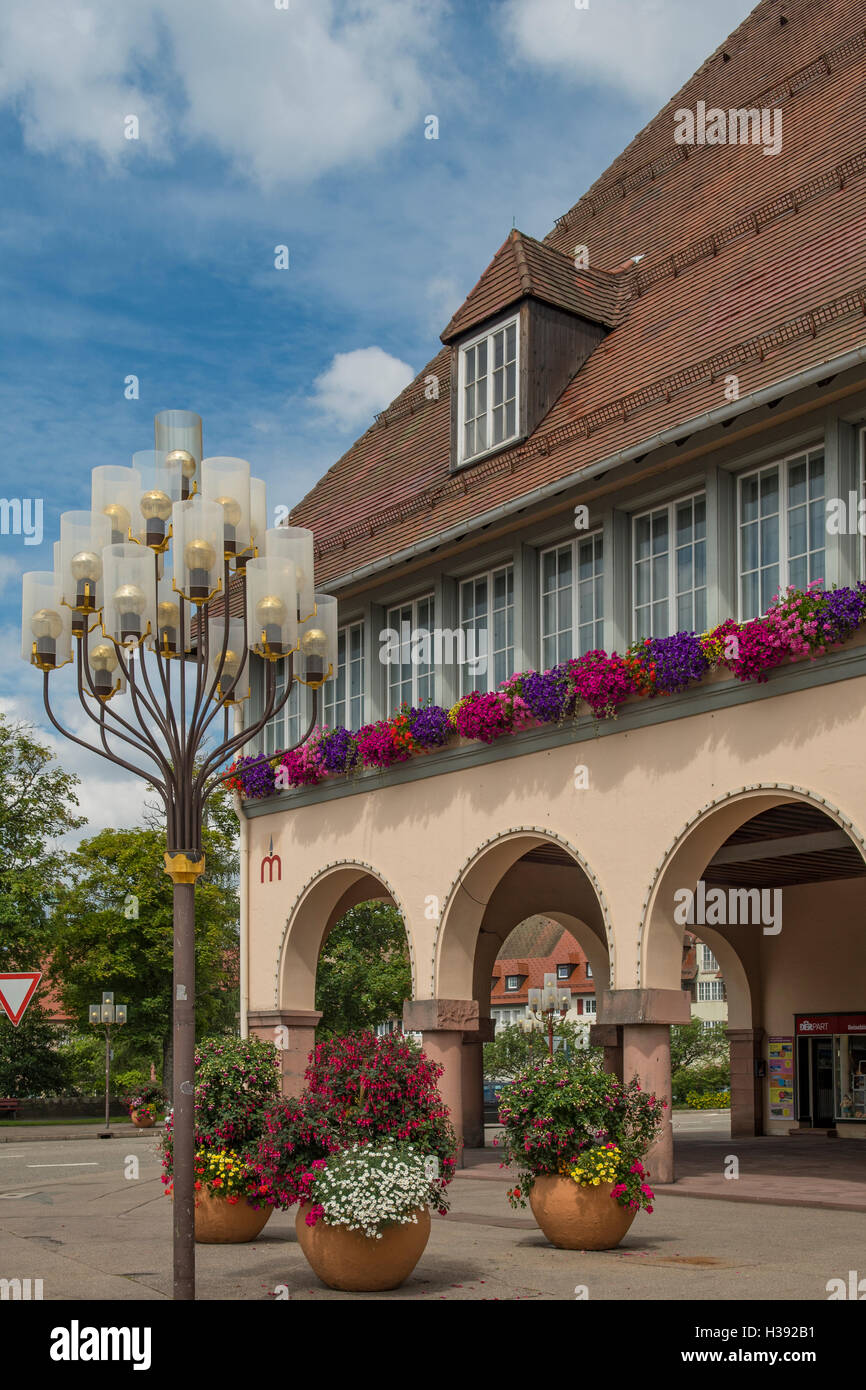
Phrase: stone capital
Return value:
(441, 1016)
(605, 1035)
(632, 1006)
(283, 1018)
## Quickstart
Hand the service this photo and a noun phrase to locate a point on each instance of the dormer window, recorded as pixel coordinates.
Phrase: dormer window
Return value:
(487, 395)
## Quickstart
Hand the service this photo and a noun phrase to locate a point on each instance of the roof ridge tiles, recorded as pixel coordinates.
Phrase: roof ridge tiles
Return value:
(827, 64)
(806, 323)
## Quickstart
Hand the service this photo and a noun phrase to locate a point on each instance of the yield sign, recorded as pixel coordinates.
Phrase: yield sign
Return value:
(16, 991)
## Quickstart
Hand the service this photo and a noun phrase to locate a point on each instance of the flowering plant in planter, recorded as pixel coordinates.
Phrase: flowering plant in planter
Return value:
(369, 1187)
(360, 1090)
(148, 1100)
(567, 1116)
(237, 1080)
(225, 1172)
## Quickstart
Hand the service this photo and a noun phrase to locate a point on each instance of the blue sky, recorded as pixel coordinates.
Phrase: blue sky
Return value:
(301, 126)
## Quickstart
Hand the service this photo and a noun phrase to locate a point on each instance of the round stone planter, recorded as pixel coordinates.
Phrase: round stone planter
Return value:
(356, 1263)
(218, 1222)
(142, 1119)
(578, 1218)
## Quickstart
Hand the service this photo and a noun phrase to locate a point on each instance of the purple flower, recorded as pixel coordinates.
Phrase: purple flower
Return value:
(339, 750)
(256, 776)
(678, 660)
(430, 727)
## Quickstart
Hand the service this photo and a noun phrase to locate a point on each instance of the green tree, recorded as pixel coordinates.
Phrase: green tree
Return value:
(511, 1048)
(112, 929)
(30, 1062)
(364, 975)
(700, 1059)
(37, 807)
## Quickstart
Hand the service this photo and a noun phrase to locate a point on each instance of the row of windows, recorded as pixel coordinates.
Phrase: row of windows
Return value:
(563, 972)
(780, 541)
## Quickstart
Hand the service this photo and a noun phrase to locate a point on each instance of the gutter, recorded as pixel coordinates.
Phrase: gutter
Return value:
(670, 436)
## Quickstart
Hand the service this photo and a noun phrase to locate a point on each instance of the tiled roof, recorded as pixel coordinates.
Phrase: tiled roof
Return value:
(523, 266)
(537, 936)
(752, 263)
(531, 972)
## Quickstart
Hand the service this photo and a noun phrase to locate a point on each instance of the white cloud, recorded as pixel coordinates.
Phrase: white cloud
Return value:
(283, 94)
(649, 47)
(358, 384)
(10, 573)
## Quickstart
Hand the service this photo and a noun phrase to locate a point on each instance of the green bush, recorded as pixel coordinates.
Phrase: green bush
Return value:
(709, 1100)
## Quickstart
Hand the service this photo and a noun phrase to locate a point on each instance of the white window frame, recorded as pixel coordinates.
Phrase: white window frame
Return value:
(588, 971)
(502, 326)
(486, 680)
(711, 991)
(590, 1004)
(287, 727)
(783, 465)
(595, 535)
(699, 494)
(329, 711)
(512, 988)
(708, 960)
(415, 667)
(562, 972)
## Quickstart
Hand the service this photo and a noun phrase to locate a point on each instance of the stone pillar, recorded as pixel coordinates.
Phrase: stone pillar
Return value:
(646, 1054)
(645, 1016)
(442, 1024)
(473, 1083)
(608, 1036)
(293, 1032)
(747, 1088)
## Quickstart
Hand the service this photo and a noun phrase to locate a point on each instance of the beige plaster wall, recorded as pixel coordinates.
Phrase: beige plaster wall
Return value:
(637, 828)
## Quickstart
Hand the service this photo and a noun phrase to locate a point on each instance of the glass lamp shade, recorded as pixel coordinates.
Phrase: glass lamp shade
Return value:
(160, 489)
(564, 999)
(130, 598)
(115, 492)
(227, 481)
(177, 434)
(534, 999)
(198, 547)
(550, 992)
(318, 642)
(46, 625)
(272, 607)
(258, 513)
(167, 628)
(295, 543)
(233, 675)
(104, 665)
(83, 537)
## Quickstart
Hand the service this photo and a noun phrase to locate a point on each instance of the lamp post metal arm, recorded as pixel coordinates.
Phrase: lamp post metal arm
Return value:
(246, 735)
(148, 747)
(221, 777)
(82, 743)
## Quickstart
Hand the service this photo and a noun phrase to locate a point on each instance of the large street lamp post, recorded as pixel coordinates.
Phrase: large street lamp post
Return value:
(543, 1006)
(143, 583)
(108, 1013)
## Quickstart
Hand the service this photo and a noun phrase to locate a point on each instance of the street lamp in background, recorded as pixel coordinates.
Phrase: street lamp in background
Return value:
(544, 1006)
(160, 596)
(106, 1014)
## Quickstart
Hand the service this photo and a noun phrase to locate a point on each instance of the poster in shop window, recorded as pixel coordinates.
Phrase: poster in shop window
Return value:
(781, 1076)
